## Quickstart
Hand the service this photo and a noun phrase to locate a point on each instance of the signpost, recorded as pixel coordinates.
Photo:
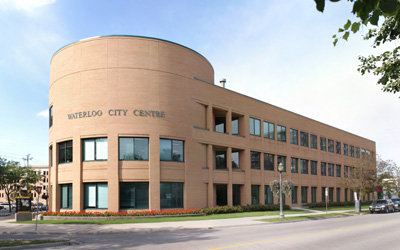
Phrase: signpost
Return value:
(38, 190)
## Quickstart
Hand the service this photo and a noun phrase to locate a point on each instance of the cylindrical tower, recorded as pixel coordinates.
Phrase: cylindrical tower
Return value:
(119, 123)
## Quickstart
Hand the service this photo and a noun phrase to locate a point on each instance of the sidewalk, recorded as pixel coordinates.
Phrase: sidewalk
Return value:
(15, 228)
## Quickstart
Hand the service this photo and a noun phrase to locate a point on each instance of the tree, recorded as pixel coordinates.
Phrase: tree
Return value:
(362, 177)
(13, 178)
(388, 176)
(368, 12)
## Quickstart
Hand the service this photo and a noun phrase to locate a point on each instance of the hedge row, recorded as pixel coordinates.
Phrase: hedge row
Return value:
(335, 204)
(241, 209)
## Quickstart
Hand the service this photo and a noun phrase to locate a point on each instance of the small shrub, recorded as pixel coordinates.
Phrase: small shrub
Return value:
(241, 209)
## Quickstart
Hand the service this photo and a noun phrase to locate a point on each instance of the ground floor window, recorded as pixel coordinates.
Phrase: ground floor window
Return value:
(134, 195)
(345, 194)
(236, 195)
(323, 195)
(338, 194)
(66, 196)
(171, 194)
(313, 194)
(304, 191)
(294, 195)
(222, 194)
(269, 199)
(255, 194)
(330, 194)
(96, 195)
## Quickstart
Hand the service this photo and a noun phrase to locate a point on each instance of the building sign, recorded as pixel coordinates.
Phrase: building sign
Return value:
(117, 112)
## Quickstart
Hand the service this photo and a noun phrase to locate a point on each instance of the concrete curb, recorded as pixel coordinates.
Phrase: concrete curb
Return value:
(101, 218)
(43, 245)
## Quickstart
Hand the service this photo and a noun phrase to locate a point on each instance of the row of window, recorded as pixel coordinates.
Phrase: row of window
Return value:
(305, 165)
(306, 140)
(132, 195)
(130, 149)
(269, 198)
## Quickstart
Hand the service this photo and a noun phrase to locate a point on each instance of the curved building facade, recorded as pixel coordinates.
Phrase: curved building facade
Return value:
(137, 123)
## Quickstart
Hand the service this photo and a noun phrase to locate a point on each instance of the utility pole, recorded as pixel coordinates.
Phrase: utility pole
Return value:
(27, 159)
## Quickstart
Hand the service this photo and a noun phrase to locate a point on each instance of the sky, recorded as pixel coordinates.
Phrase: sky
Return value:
(279, 52)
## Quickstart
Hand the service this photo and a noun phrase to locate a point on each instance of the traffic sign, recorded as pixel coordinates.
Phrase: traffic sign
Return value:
(38, 189)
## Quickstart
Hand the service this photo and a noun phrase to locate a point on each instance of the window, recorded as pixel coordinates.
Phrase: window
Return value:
(268, 162)
(220, 124)
(346, 171)
(236, 195)
(294, 165)
(255, 160)
(323, 168)
(345, 149)
(269, 198)
(304, 166)
(255, 194)
(66, 196)
(171, 150)
(51, 155)
(304, 194)
(255, 127)
(294, 195)
(338, 147)
(134, 195)
(65, 152)
(50, 116)
(338, 194)
(323, 195)
(235, 125)
(282, 159)
(221, 194)
(235, 160)
(322, 143)
(313, 165)
(330, 146)
(96, 195)
(351, 151)
(351, 195)
(357, 152)
(338, 171)
(293, 136)
(220, 159)
(95, 149)
(281, 131)
(330, 194)
(313, 194)
(331, 169)
(345, 194)
(304, 139)
(133, 149)
(269, 130)
(171, 194)
(313, 141)
(362, 153)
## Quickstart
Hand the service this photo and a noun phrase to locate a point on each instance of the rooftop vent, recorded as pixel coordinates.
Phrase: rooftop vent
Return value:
(222, 82)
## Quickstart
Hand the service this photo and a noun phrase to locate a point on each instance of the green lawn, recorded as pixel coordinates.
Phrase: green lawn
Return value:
(13, 243)
(166, 219)
(304, 217)
(338, 208)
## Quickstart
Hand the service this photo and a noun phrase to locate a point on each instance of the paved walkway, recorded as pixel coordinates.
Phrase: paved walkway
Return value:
(16, 228)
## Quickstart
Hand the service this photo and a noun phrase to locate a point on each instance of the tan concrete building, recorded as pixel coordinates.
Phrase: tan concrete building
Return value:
(137, 123)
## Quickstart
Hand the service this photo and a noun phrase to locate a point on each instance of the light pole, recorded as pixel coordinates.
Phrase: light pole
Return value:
(280, 169)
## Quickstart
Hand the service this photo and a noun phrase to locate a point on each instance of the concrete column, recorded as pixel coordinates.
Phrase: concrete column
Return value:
(154, 173)
(210, 166)
(229, 166)
(228, 122)
(210, 118)
(113, 173)
(77, 185)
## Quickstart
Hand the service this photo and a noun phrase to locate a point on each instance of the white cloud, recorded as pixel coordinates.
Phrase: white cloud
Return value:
(4, 140)
(23, 5)
(44, 113)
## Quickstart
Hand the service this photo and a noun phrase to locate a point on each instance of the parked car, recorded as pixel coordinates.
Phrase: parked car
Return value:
(5, 205)
(382, 205)
(396, 204)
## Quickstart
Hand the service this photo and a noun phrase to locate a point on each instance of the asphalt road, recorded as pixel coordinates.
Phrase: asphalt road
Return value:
(376, 231)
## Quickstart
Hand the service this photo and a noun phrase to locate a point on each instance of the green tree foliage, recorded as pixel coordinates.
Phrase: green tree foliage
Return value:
(368, 14)
(388, 174)
(13, 178)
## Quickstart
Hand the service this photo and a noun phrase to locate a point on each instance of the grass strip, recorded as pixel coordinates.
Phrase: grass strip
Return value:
(303, 217)
(338, 208)
(166, 219)
(14, 243)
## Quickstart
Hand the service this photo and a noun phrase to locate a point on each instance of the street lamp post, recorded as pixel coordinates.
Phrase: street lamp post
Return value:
(280, 169)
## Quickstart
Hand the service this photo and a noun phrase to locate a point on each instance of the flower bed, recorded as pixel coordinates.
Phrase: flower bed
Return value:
(123, 214)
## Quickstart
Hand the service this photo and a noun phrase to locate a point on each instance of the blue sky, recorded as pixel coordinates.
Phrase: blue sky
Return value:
(279, 52)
